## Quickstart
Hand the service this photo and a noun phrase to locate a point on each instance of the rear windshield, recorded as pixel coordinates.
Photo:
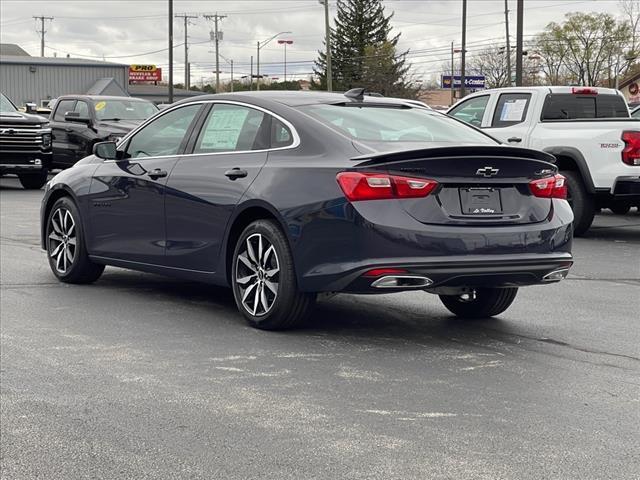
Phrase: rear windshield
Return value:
(111, 109)
(5, 104)
(391, 124)
(567, 106)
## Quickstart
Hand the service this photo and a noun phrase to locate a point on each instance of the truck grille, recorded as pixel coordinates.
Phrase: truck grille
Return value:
(22, 137)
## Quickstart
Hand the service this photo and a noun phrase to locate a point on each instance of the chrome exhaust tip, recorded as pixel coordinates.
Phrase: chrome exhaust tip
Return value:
(402, 281)
(556, 275)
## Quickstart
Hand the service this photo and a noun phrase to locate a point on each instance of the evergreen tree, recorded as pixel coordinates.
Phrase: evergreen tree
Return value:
(362, 52)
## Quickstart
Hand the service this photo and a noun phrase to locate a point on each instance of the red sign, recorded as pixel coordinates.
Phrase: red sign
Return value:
(145, 73)
(633, 88)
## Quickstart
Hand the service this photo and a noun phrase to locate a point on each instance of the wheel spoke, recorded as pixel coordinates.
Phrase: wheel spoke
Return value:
(260, 251)
(55, 236)
(252, 255)
(59, 259)
(64, 258)
(247, 279)
(263, 298)
(247, 263)
(71, 228)
(247, 292)
(57, 250)
(272, 272)
(69, 255)
(272, 286)
(56, 227)
(266, 255)
(61, 221)
(256, 298)
(72, 241)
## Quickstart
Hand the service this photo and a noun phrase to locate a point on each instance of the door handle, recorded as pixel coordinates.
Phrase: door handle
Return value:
(235, 173)
(157, 173)
(514, 140)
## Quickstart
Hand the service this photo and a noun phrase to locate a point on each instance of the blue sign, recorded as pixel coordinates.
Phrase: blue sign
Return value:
(471, 82)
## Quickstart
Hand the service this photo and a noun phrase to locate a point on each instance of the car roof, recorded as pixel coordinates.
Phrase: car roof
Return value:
(100, 98)
(294, 98)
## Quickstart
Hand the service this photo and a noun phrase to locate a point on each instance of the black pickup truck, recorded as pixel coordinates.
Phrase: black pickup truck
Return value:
(80, 121)
(25, 145)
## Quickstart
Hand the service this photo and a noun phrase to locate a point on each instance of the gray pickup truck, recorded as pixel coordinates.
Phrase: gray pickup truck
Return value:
(25, 145)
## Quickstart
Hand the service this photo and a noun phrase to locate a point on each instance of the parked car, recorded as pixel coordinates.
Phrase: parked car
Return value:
(589, 130)
(25, 145)
(78, 122)
(282, 195)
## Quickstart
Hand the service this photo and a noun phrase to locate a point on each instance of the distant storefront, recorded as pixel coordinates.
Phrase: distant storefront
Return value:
(630, 88)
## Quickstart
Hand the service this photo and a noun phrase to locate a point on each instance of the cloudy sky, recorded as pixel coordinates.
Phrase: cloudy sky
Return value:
(135, 31)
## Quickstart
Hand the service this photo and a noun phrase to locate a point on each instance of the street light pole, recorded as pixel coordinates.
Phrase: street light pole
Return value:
(260, 45)
(170, 51)
(327, 40)
(285, 43)
(464, 49)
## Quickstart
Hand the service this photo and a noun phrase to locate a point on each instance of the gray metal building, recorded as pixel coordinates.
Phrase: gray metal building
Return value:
(40, 79)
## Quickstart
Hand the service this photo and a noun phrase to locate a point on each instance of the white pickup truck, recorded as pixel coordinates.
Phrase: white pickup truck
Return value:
(589, 130)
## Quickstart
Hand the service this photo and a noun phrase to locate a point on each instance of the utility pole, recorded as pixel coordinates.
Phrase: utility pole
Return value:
(251, 76)
(327, 41)
(452, 73)
(215, 18)
(186, 18)
(464, 48)
(519, 29)
(506, 22)
(259, 46)
(42, 31)
(170, 51)
(231, 75)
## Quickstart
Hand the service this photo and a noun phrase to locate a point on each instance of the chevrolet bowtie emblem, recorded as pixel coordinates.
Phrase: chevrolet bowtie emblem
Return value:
(487, 171)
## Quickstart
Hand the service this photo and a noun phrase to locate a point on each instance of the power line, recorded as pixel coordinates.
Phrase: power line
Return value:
(186, 17)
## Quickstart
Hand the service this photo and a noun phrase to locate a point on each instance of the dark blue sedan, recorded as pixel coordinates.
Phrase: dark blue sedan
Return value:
(283, 195)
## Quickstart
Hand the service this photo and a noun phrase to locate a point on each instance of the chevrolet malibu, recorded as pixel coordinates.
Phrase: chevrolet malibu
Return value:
(285, 195)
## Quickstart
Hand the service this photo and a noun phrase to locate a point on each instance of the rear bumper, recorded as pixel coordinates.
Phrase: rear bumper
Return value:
(456, 273)
(347, 244)
(627, 189)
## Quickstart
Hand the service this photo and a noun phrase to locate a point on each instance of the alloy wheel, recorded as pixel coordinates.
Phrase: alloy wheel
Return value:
(257, 275)
(62, 239)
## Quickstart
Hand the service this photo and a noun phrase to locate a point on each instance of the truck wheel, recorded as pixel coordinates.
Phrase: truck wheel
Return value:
(33, 181)
(620, 208)
(582, 203)
(482, 303)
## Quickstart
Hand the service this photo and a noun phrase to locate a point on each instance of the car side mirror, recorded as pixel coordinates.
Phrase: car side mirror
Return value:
(106, 150)
(30, 107)
(75, 117)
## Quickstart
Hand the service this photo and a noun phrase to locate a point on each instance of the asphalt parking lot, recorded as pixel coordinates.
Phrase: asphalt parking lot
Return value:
(139, 376)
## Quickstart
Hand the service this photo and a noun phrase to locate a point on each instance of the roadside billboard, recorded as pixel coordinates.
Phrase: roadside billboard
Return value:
(471, 82)
(144, 73)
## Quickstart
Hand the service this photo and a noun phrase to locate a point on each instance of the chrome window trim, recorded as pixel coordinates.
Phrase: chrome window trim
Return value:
(294, 132)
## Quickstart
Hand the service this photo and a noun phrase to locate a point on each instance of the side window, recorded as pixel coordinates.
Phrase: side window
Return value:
(63, 107)
(164, 135)
(472, 110)
(281, 136)
(511, 109)
(230, 128)
(82, 108)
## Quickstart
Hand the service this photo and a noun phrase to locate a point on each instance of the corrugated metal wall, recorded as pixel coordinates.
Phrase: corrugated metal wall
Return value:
(21, 85)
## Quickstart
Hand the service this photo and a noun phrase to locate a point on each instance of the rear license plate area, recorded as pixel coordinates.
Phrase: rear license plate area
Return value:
(480, 201)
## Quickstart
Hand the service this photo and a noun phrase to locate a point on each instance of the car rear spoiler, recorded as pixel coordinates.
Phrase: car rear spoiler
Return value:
(457, 151)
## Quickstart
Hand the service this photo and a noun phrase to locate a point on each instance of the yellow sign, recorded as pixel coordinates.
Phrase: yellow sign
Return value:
(100, 106)
(143, 68)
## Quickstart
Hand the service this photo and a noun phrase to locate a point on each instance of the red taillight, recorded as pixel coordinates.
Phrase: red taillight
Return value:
(631, 151)
(584, 91)
(549, 187)
(379, 272)
(379, 186)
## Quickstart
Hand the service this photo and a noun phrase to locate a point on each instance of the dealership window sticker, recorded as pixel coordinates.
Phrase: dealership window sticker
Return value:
(223, 129)
(513, 110)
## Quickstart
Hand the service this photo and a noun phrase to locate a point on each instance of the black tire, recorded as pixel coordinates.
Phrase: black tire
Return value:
(620, 208)
(582, 203)
(33, 181)
(69, 263)
(285, 308)
(487, 302)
